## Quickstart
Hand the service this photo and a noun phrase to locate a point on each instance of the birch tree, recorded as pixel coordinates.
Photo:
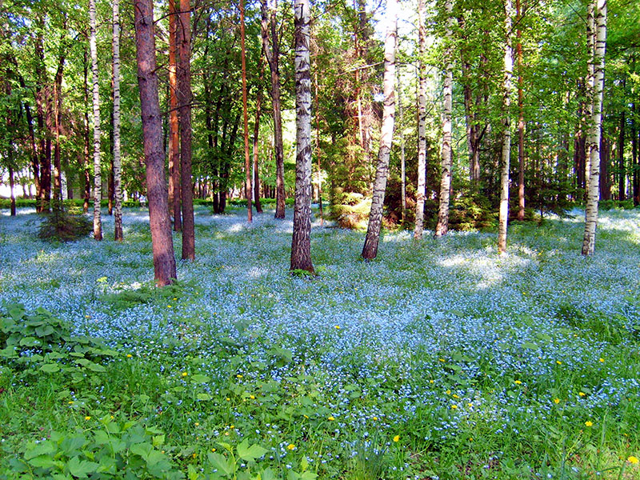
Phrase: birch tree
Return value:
(301, 242)
(597, 46)
(370, 249)
(422, 121)
(507, 87)
(164, 262)
(446, 156)
(97, 173)
(117, 163)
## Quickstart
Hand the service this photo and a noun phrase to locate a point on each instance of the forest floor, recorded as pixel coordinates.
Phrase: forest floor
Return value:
(440, 359)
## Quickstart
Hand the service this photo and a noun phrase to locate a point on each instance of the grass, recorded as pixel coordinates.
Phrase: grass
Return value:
(439, 359)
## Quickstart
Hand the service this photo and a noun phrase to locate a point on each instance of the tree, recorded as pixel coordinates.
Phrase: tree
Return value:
(174, 132)
(164, 261)
(597, 44)
(271, 47)
(422, 122)
(370, 249)
(97, 172)
(117, 163)
(184, 100)
(245, 115)
(446, 161)
(506, 138)
(301, 242)
(521, 198)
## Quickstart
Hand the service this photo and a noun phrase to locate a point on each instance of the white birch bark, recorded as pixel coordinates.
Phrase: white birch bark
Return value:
(370, 249)
(301, 242)
(507, 88)
(97, 184)
(590, 83)
(117, 163)
(422, 121)
(442, 226)
(593, 142)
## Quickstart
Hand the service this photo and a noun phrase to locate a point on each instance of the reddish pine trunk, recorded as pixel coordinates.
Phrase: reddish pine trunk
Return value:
(174, 135)
(162, 242)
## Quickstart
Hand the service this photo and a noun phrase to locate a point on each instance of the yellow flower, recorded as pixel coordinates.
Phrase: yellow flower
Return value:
(396, 438)
(228, 399)
(87, 418)
(252, 397)
(633, 460)
(556, 400)
(518, 382)
(470, 404)
(448, 392)
(430, 381)
(453, 407)
(168, 306)
(291, 446)
(331, 418)
(589, 423)
(213, 449)
(129, 355)
(231, 427)
(71, 402)
(238, 376)
(337, 327)
(184, 374)
(375, 418)
(558, 362)
(455, 396)
(582, 394)
(441, 359)
(197, 424)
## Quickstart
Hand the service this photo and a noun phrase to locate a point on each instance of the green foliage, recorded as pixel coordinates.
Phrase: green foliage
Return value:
(41, 343)
(147, 293)
(62, 227)
(108, 449)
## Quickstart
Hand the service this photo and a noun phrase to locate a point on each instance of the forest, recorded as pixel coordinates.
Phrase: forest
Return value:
(299, 240)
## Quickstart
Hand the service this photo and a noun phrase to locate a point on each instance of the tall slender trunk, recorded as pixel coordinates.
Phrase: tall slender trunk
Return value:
(245, 114)
(184, 99)
(442, 226)
(301, 241)
(521, 199)
(634, 156)
(86, 136)
(256, 133)
(403, 170)
(370, 249)
(97, 174)
(590, 88)
(317, 112)
(164, 261)
(174, 135)
(12, 185)
(621, 163)
(422, 121)
(117, 162)
(503, 218)
(598, 43)
(57, 112)
(271, 47)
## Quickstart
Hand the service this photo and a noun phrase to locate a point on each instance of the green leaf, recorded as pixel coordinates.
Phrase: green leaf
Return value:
(30, 342)
(220, 463)
(81, 468)
(250, 453)
(142, 449)
(44, 448)
(198, 378)
(203, 396)
(158, 440)
(43, 461)
(50, 368)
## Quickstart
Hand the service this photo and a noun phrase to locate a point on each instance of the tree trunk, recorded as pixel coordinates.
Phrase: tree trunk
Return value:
(164, 261)
(621, 164)
(117, 163)
(521, 199)
(634, 156)
(174, 136)
(57, 111)
(245, 114)
(12, 185)
(97, 174)
(442, 226)
(184, 99)
(86, 138)
(403, 170)
(370, 249)
(301, 242)
(421, 193)
(605, 160)
(256, 133)
(598, 43)
(503, 218)
(272, 52)
(318, 149)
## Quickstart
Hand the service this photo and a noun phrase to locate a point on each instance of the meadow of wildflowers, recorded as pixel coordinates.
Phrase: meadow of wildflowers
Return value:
(440, 359)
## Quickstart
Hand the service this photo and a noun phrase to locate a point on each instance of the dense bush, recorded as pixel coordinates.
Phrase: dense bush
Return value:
(64, 227)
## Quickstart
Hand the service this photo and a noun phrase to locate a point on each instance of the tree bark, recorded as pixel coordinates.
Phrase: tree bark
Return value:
(597, 55)
(245, 114)
(503, 218)
(256, 133)
(97, 174)
(442, 226)
(521, 199)
(370, 249)
(271, 49)
(301, 242)
(184, 99)
(164, 261)
(117, 162)
(621, 163)
(174, 135)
